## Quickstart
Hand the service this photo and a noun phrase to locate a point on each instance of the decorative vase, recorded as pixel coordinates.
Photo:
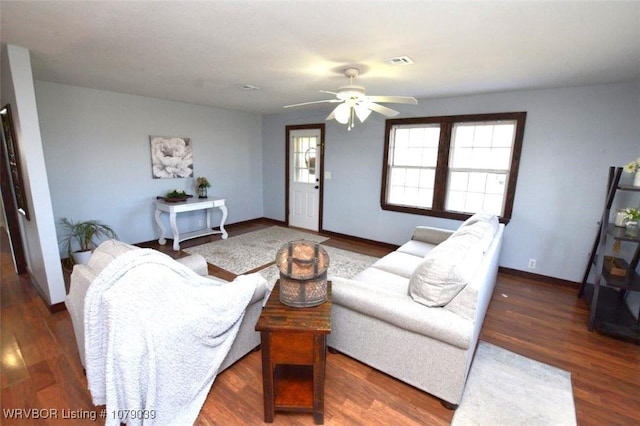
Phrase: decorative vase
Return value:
(631, 229)
(81, 257)
(621, 219)
(636, 179)
(202, 192)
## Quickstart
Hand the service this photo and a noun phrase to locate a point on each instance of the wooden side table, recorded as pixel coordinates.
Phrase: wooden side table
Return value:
(294, 352)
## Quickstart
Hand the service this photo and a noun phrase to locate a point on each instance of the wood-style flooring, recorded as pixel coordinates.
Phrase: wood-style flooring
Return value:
(543, 321)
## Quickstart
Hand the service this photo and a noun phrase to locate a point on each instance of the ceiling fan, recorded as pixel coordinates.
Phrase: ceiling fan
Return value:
(354, 103)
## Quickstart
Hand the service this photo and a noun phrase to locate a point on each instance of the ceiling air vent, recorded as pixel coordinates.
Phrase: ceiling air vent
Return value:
(248, 87)
(399, 60)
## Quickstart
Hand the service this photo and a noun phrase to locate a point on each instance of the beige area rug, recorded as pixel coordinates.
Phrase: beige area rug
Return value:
(342, 263)
(249, 251)
(505, 389)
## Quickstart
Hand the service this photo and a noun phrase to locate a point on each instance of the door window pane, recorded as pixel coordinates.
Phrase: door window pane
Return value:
(304, 159)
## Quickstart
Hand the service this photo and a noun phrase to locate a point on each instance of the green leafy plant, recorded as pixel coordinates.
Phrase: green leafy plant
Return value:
(633, 166)
(81, 236)
(202, 182)
(176, 193)
(632, 214)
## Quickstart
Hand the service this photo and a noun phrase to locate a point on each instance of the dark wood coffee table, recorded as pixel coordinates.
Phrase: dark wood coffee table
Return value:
(294, 352)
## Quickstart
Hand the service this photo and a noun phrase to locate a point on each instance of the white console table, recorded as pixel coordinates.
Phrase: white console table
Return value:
(188, 206)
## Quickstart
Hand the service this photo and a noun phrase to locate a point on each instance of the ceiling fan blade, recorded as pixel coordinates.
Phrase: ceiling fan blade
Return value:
(331, 93)
(331, 101)
(381, 109)
(394, 99)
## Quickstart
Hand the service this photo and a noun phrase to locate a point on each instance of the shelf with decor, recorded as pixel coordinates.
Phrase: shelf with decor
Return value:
(615, 277)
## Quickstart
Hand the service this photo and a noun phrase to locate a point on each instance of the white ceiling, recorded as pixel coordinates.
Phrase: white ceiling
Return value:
(200, 52)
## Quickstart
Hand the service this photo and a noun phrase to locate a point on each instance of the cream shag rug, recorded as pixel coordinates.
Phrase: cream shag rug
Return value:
(505, 388)
(249, 251)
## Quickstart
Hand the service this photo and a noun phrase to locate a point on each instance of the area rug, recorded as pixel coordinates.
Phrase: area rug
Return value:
(342, 263)
(249, 251)
(505, 388)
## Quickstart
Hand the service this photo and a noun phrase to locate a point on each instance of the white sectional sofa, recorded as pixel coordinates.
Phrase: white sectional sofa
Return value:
(416, 314)
(83, 275)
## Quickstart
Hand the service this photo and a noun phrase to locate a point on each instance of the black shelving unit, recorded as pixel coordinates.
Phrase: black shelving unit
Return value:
(608, 312)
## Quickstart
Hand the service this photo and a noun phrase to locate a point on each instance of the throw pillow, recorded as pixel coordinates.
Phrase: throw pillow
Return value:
(483, 231)
(485, 225)
(446, 270)
(481, 217)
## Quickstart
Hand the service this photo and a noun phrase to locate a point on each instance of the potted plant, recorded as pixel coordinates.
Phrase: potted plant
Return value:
(633, 216)
(202, 184)
(634, 168)
(79, 238)
(176, 195)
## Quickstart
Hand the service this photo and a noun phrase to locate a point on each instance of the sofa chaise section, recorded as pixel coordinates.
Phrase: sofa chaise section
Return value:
(376, 320)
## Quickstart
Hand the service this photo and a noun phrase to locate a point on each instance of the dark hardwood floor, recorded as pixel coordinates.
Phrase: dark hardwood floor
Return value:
(540, 320)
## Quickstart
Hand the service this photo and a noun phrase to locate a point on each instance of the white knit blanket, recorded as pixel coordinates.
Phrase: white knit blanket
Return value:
(156, 334)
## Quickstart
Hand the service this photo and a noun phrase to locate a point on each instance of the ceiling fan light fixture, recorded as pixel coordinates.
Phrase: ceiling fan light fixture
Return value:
(354, 103)
(362, 112)
(342, 113)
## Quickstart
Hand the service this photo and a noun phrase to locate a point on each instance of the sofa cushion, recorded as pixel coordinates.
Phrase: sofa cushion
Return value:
(384, 281)
(446, 270)
(398, 263)
(416, 248)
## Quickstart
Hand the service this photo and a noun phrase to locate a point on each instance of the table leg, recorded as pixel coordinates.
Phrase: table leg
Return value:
(163, 232)
(319, 364)
(267, 378)
(594, 304)
(224, 218)
(174, 228)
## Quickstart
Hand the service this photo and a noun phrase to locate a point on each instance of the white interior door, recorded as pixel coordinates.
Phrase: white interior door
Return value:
(304, 178)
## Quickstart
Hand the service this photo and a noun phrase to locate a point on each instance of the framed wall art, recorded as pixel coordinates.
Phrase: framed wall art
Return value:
(171, 157)
(10, 145)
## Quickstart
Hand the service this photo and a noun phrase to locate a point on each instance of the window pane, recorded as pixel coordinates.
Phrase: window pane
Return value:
(480, 158)
(417, 147)
(304, 159)
(503, 135)
(472, 192)
(481, 145)
(413, 153)
(411, 186)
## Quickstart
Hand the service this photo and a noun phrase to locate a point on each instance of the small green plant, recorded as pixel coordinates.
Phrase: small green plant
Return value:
(632, 214)
(633, 166)
(202, 182)
(80, 236)
(176, 193)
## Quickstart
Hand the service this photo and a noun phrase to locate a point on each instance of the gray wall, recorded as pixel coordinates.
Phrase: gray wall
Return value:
(38, 234)
(97, 150)
(572, 136)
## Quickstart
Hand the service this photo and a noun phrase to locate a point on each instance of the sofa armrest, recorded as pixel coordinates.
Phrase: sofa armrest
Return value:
(195, 262)
(81, 278)
(402, 311)
(431, 235)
